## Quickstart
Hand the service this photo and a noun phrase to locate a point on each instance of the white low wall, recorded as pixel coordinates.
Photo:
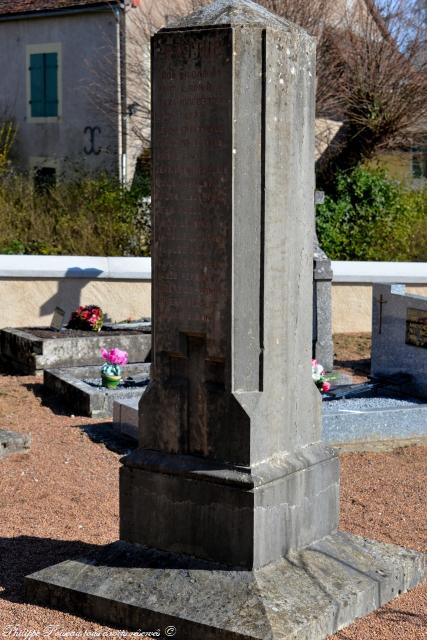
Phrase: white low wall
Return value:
(32, 286)
(352, 289)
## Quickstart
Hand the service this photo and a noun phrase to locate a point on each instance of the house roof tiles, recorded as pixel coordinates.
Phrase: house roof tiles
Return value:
(10, 7)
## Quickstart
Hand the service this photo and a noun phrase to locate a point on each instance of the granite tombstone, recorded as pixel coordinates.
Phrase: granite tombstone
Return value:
(399, 337)
(229, 507)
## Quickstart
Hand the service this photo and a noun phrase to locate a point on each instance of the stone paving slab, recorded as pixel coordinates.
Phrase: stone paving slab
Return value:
(306, 596)
(13, 442)
(125, 416)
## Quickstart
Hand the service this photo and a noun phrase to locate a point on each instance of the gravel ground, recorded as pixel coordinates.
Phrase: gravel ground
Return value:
(377, 403)
(61, 501)
(352, 354)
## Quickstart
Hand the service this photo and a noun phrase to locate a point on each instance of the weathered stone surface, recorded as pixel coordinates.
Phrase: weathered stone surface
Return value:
(234, 13)
(231, 310)
(306, 596)
(261, 513)
(232, 281)
(26, 353)
(13, 442)
(84, 399)
(399, 322)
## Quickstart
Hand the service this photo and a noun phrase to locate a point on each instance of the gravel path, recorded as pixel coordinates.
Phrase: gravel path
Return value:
(61, 500)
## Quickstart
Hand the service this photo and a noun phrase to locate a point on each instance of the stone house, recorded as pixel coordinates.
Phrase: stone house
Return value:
(75, 82)
(64, 85)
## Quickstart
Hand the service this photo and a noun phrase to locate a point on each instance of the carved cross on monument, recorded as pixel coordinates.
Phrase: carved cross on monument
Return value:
(200, 376)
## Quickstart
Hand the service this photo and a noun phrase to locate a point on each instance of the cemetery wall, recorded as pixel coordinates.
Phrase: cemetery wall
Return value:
(352, 305)
(32, 286)
(352, 289)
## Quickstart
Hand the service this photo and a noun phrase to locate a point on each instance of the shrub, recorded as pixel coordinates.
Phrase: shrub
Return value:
(372, 217)
(87, 216)
(7, 138)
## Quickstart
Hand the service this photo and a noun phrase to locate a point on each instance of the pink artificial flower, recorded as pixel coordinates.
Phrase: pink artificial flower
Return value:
(115, 356)
(118, 356)
(326, 386)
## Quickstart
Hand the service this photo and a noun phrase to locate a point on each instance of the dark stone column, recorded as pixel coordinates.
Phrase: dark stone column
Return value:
(230, 424)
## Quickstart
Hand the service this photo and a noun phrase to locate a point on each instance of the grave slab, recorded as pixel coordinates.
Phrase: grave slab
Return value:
(230, 468)
(349, 420)
(309, 594)
(79, 388)
(13, 442)
(399, 336)
(375, 417)
(31, 350)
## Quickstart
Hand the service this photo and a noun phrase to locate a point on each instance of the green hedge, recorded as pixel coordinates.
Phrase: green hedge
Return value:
(372, 217)
(88, 216)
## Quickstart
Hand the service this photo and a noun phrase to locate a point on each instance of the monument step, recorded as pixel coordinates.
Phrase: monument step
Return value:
(308, 595)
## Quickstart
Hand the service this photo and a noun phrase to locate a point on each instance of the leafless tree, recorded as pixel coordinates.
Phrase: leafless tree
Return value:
(371, 72)
(380, 84)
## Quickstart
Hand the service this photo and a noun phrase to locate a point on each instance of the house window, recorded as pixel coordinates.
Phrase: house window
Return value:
(44, 82)
(44, 85)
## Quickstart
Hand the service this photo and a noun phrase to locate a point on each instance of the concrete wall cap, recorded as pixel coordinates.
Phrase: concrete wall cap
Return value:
(380, 272)
(83, 267)
(127, 268)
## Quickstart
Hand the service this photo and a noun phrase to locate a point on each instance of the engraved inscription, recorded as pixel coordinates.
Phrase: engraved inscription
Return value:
(416, 328)
(192, 157)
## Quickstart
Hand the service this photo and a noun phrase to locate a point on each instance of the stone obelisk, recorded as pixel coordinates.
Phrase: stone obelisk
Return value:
(229, 506)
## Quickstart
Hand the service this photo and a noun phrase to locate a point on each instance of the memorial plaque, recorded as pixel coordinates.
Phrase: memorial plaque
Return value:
(192, 188)
(416, 328)
(57, 319)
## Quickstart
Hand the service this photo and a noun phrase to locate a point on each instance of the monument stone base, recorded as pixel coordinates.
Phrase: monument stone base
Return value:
(241, 516)
(308, 595)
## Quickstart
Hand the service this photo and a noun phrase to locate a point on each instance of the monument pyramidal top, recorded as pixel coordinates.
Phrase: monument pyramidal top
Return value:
(232, 13)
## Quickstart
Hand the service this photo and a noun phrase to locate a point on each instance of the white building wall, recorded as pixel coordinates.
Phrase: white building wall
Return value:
(88, 54)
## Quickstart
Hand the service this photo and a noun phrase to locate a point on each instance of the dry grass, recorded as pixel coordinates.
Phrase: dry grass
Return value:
(87, 216)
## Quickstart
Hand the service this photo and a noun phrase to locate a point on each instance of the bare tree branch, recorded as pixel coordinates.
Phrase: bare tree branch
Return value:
(371, 72)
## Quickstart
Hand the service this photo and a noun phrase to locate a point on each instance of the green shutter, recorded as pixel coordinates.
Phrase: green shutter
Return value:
(37, 85)
(44, 85)
(51, 84)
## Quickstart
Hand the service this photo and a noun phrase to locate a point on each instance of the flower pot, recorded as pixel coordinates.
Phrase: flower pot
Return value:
(110, 382)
